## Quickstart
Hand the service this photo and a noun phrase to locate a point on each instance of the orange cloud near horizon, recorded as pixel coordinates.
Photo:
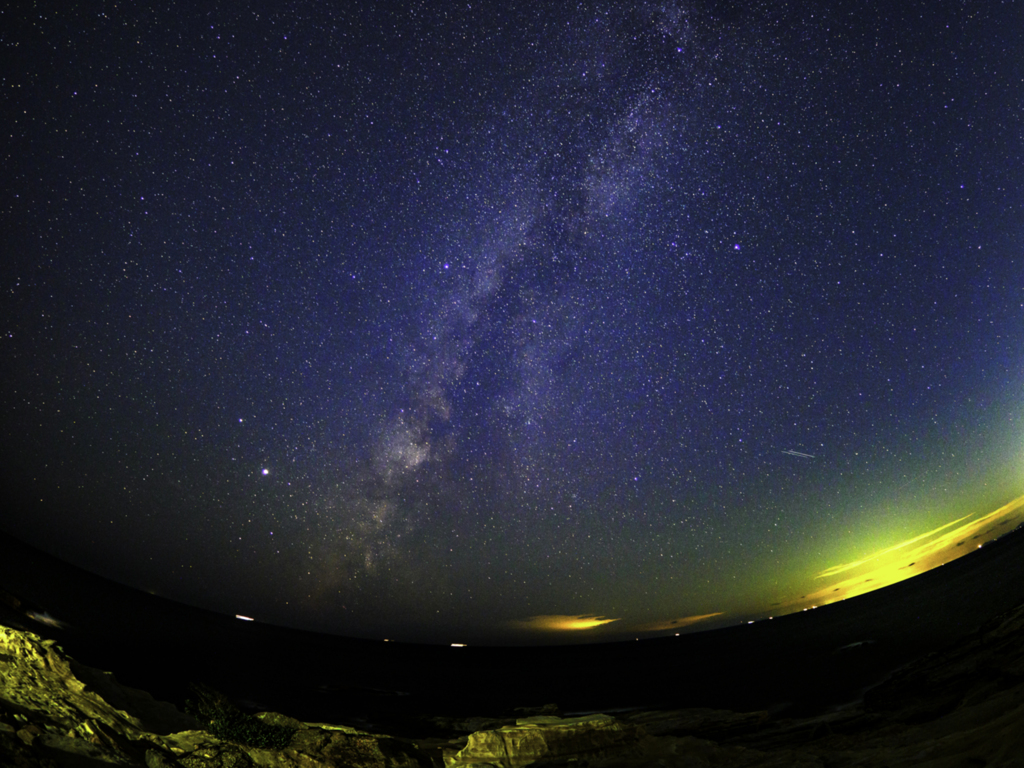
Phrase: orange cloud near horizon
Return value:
(577, 622)
(562, 622)
(670, 624)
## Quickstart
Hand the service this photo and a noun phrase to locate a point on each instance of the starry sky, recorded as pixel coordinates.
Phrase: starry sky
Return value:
(493, 322)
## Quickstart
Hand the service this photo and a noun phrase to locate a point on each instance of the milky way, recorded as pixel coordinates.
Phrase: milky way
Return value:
(483, 387)
(482, 323)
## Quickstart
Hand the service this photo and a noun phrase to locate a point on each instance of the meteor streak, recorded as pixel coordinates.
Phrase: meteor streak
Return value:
(799, 454)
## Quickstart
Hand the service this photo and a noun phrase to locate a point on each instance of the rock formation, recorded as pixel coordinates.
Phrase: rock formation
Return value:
(963, 706)
(55, 712)
(547, 738)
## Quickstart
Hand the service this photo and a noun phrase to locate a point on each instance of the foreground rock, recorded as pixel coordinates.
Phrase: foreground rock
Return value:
(964, 706)
(547, 738)
(56, 712)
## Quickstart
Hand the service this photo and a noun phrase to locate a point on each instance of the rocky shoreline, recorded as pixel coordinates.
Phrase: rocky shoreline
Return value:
(963, 705)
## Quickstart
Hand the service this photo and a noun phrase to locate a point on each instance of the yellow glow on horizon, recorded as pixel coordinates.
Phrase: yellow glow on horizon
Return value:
(849, 566)
(561, 622)
(912, 557)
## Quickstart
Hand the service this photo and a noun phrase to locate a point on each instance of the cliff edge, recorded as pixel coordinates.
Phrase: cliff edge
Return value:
(961, 706)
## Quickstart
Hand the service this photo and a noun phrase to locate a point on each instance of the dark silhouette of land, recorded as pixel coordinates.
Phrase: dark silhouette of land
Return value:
(797, 665)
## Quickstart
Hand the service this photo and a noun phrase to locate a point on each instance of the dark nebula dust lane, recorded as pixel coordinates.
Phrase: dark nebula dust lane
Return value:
(508, 324)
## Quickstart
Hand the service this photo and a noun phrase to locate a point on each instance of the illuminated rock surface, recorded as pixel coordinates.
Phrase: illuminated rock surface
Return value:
(535, 739)
(962, 706)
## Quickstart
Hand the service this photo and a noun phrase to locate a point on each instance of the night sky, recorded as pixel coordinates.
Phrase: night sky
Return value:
(491, 322)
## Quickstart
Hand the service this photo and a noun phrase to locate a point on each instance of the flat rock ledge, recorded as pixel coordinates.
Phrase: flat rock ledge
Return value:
(960, 707)
(544, 738)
